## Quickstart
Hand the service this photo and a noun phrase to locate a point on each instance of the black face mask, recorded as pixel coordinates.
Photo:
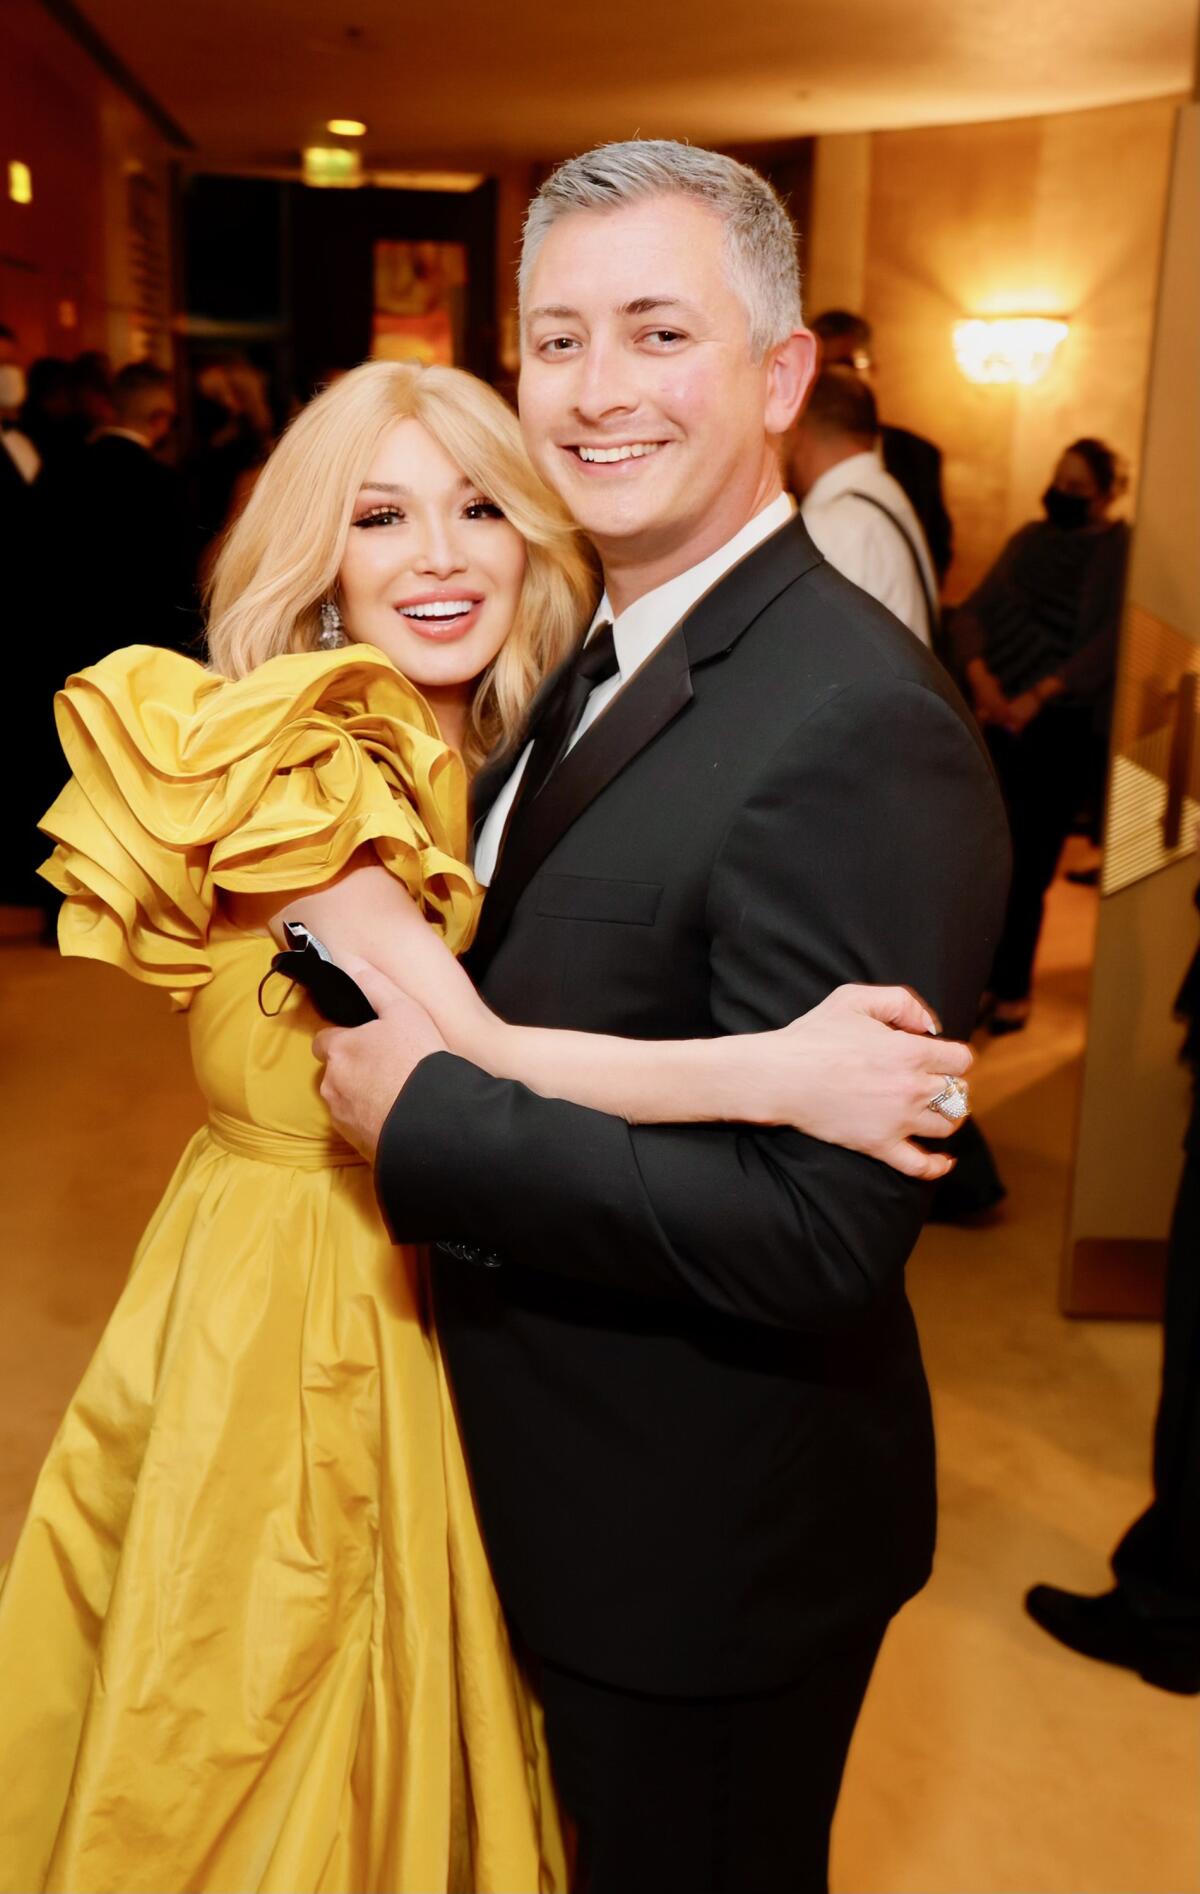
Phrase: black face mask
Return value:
(1070, 510)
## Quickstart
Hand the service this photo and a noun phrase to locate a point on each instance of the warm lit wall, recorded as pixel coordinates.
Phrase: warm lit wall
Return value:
(515, 185)
(51, 251)
(1136, 1092)
(73, 272)
(1047, 216)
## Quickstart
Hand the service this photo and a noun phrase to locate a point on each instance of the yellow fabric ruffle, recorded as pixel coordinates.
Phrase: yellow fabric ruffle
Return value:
(248, 1636)
(249, 1640)
(184, 783)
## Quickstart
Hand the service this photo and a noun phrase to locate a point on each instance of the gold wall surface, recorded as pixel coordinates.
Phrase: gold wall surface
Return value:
(1039, 216)
(1135, 1092)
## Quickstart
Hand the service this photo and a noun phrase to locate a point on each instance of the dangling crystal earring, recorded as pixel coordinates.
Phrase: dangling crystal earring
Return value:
(332, 637)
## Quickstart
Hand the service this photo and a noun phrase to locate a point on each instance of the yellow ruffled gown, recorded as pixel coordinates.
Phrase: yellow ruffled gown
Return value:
(248, 1637)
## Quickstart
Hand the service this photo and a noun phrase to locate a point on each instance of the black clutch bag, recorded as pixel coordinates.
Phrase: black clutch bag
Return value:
(309, 964)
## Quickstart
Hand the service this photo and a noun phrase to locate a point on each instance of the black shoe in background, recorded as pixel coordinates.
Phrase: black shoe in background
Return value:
(1164, 1654)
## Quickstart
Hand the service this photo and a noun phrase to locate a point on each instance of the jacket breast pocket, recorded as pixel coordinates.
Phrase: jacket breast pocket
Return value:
(591, 898)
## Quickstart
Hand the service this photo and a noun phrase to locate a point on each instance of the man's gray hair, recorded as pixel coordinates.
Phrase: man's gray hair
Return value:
(760, 240)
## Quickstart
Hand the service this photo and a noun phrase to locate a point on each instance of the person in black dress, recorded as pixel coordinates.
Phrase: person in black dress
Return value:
(1037, 644)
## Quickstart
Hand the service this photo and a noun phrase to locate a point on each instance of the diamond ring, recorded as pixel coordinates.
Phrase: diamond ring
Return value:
(953, 1101)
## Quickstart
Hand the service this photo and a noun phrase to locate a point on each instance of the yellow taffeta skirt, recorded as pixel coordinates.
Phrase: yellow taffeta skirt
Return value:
(248, 1636)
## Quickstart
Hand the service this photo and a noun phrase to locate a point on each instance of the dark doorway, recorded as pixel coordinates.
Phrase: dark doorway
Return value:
(286, 273)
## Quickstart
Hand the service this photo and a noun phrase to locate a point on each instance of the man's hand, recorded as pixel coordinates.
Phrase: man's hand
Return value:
(991, 705)
(367, 1067)
(1021, 711)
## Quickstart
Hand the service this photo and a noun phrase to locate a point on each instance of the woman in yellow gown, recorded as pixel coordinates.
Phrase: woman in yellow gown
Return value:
(248, 1638)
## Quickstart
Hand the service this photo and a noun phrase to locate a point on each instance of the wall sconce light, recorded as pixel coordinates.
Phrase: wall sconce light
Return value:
(20, 182)
(332, 166)
(346, 127)
(1007, 348)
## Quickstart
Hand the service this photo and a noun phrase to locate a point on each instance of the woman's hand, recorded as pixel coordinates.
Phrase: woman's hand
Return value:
(858, 1070)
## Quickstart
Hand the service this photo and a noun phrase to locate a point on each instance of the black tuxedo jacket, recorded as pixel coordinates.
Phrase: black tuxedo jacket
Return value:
(135, 544)
(691, 1392)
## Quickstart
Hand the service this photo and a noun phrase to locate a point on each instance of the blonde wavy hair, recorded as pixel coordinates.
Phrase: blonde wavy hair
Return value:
(283, 554)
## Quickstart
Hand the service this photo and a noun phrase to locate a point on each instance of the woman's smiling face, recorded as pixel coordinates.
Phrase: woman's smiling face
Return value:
(432, 571)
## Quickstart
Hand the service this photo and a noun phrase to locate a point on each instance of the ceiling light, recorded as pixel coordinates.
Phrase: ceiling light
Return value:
(428, 180)
(1007, 348)
(346, 127)
(20, 182)
(332, 167)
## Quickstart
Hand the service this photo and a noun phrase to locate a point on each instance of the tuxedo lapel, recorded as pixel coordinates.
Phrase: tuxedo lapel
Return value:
(489, 782)
(651, 700)
(717, 621)
(499, 767)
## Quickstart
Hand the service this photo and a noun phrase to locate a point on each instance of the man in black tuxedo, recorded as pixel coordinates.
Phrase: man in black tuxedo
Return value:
(686, 1371)
(1149, 1621)
(913, 461)
(129, 530)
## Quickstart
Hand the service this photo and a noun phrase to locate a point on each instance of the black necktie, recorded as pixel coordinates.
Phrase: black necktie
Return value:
(561, 715)
(557, 719)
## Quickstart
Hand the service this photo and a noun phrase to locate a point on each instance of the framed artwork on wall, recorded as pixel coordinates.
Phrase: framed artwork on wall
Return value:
(420, 302)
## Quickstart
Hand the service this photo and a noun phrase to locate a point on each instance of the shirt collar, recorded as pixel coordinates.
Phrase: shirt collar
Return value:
(645, 623)
(119, 434)
(855, 471)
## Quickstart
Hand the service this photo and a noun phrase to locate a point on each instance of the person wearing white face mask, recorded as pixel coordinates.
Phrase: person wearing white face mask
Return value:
(19, 466)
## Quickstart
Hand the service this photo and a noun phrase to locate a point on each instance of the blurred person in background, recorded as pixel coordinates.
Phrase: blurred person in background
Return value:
(20, 848)
(845, 338)
(129, 527)
(91, 375)
(48, 414)
(248, 1634)
(232, 431)
(121, 511)
(1149, 1622)
(1036, 642)
(856, 513)
(21, 457)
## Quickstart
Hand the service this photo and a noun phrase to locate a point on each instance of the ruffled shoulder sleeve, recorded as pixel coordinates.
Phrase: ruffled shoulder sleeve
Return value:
(183, 783)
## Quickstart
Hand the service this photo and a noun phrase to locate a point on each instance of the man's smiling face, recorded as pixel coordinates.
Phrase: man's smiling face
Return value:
(640, 399)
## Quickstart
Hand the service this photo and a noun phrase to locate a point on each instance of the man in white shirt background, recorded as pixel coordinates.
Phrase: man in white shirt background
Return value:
(855, 512)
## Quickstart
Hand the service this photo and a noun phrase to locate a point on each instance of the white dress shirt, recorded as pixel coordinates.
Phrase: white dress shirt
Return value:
(857, 539)
(22, 452)
(637, 633)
